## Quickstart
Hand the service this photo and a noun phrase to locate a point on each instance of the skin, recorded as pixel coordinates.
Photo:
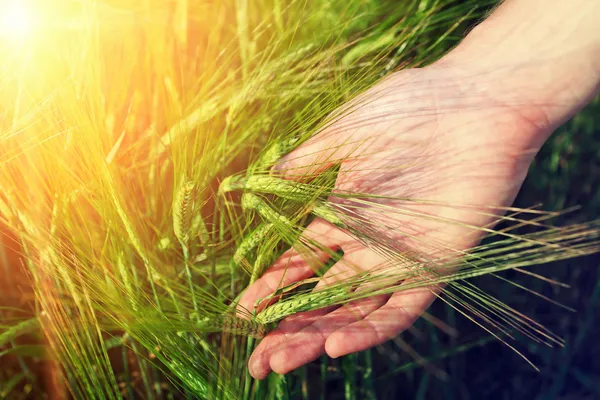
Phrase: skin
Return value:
(461, 131)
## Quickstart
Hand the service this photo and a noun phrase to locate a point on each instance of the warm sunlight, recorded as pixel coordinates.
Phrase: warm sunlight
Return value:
(16, 20)
(299, 199)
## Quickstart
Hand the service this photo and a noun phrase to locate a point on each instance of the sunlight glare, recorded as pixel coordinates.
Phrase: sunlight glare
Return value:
(15, 19)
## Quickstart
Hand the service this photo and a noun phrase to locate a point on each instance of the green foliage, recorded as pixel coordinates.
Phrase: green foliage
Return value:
(136, 186)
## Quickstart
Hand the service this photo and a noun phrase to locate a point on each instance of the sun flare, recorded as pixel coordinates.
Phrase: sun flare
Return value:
(15, 19)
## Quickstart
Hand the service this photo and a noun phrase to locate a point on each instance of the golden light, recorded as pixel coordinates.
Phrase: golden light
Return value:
(15, 19)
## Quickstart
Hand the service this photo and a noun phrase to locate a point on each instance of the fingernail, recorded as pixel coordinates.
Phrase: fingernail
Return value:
(330, 350)
(331, 347)
(277, 362)
(257, 369)
(252, 367)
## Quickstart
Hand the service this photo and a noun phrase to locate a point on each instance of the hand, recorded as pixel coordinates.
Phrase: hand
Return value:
(462, 131)
(422, 134)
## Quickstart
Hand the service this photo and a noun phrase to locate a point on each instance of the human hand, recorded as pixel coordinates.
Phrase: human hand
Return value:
(423, 134)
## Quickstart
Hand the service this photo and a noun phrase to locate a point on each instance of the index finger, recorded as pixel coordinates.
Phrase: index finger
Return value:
(293, 265)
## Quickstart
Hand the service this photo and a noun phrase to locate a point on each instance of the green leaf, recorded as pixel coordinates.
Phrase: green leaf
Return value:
(22, 328)
(8, 386)
(35, 351)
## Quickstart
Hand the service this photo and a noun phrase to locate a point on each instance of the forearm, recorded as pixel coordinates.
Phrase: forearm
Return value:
(541, 55)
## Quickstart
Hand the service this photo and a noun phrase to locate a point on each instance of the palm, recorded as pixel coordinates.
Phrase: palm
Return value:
(418, 135)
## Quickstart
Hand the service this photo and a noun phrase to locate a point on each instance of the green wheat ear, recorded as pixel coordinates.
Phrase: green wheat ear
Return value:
(229, 323)
(221, 110)
(183, 211)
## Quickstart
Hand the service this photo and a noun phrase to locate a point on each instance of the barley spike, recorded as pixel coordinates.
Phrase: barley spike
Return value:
(182, 211)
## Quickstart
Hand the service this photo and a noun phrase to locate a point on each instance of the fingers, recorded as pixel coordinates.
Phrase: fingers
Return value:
(399, 313)
(292, 266)
(301, 338)
(357, 326)
(259, 363)
(296, 341)
(309, 343)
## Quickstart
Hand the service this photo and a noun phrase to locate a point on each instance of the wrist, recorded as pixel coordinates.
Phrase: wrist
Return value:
(509, 97)
(543, 92)
(541, 60)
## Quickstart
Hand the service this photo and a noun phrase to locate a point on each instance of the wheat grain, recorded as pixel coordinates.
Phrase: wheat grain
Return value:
(183, 211)
(229, 323)
(230, 183)
(302, 302)
(251, 241)
(295, 191)
(253, 202)
(286, 189)
(264, 259)
(322, 211)
(274, 153)
(291, 190)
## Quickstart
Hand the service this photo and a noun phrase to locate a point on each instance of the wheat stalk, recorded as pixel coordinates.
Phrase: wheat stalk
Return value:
(130, 105)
